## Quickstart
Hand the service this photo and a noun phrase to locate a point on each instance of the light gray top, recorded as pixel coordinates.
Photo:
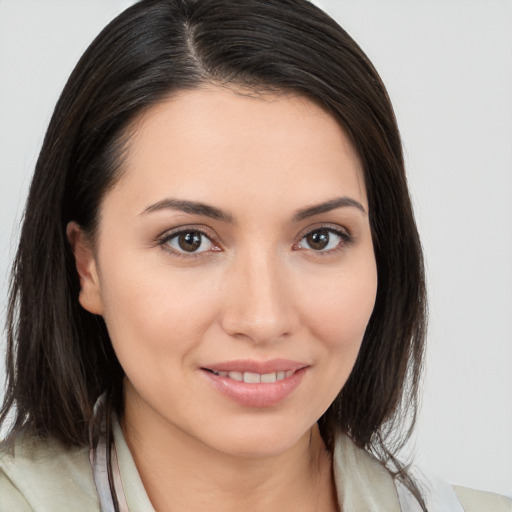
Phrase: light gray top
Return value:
(43, 476)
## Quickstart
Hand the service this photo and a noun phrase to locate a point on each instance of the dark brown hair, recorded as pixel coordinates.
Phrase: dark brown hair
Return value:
(59, 356)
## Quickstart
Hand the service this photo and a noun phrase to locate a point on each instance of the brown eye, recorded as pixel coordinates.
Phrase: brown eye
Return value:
(189, 242)
(323, 240)
(318, 240)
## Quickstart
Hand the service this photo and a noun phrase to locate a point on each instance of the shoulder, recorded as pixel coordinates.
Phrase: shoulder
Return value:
(10, 497)
(478, 501)
(439, 495)
(42, 475)
(363, 483)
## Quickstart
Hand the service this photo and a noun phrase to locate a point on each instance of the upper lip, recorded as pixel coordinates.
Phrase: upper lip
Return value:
(261, 367)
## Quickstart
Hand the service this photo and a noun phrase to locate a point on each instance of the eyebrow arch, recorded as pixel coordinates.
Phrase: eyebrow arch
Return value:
(333, 204)
(192, 207)
(198, 208)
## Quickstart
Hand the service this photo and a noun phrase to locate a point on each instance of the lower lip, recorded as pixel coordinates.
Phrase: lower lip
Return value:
(256, 395)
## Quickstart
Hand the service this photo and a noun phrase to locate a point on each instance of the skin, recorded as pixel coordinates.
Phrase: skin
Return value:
(256, 289)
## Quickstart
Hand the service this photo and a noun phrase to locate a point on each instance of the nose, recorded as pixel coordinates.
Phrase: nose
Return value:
(258, 302)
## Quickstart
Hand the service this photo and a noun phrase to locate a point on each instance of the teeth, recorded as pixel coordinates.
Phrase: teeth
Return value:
(255, 378)
(269, 377)
(252, 378)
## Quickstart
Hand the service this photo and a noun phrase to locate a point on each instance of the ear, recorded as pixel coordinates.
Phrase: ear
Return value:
(90, 289)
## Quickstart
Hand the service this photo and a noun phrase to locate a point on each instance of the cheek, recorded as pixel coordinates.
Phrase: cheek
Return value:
(341, 308)
(151, 308)
(339, 312)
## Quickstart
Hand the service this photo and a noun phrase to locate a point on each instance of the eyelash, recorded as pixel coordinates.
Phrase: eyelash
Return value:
(344, 236)
(165, 238)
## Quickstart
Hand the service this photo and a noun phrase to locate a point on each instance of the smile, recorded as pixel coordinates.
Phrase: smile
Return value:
(256, 384)
(255, 378)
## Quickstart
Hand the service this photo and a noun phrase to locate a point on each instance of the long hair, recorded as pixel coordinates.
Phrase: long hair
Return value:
(59, 356)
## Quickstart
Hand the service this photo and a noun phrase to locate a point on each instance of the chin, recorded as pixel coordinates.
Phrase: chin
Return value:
(259, 441)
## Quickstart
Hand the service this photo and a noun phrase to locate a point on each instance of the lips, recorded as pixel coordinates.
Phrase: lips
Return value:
(256, 384)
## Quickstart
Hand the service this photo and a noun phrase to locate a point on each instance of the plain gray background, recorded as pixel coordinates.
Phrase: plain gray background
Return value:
(448, 68)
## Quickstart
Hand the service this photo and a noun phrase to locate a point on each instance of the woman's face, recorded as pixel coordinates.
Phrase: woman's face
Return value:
(234, 268)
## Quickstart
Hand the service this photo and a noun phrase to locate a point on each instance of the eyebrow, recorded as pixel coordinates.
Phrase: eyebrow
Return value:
(205, 210)
(192, 207)
(333, 204)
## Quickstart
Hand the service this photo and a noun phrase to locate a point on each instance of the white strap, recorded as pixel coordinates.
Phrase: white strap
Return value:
(98, 455)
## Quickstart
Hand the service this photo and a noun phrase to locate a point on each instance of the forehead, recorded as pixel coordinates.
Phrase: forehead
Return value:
(212, 141)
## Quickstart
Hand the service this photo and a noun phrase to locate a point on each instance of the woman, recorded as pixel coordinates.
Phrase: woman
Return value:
(210, 293)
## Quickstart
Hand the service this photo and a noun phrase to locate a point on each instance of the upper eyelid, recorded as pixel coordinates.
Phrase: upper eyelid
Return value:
(205, 230)
(336, 228)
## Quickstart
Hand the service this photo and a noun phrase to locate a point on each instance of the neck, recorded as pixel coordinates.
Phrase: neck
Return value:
(182, 474)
